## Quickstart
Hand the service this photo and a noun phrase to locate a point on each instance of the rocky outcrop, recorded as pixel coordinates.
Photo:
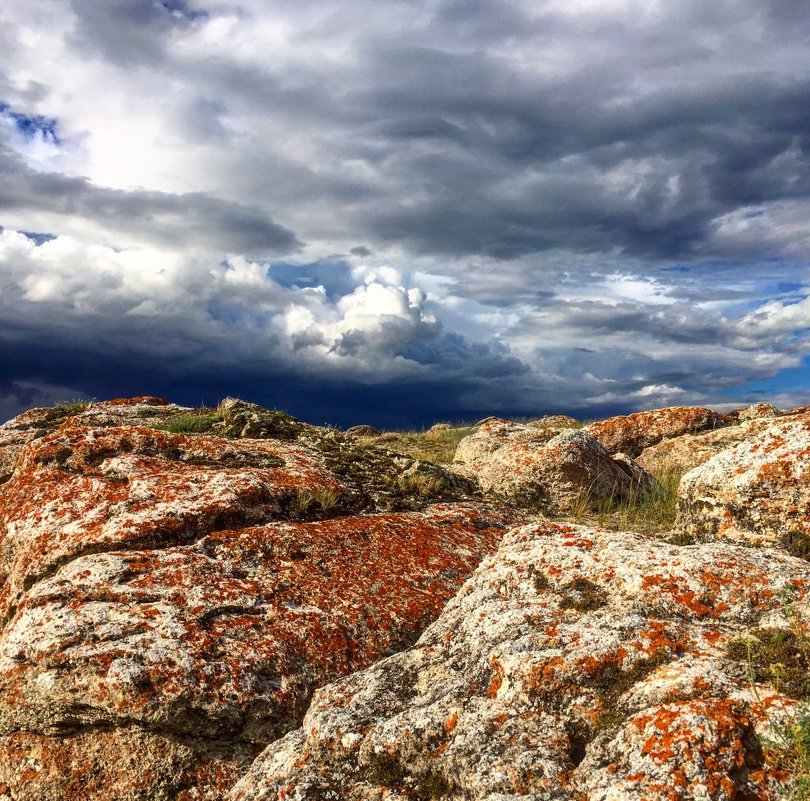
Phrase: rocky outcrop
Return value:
(176, 583)
(544, 467)
(756, 411)
(170, 601)
(574, 664)
(36, 423)
(757, 491)
(687, 451)
(634, 432)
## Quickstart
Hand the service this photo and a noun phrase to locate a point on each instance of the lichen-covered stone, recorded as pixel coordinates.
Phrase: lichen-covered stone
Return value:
(555, 421)
(238, 418)
(687, 451)
(574, 664)
(552, 469)
(36, 423)
(757, 411)
(757, 491)
(362, 431)
(154, 595)
(119, 764)
(634, 432)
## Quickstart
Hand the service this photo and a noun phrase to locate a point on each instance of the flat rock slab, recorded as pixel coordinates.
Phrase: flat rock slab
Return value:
(36, 423)
(157, 610)
(575, 663)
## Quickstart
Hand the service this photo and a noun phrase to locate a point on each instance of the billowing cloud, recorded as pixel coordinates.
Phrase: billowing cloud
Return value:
(405, 210)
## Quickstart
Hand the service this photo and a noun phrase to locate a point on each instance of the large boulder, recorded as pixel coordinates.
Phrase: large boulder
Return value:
(757, 491)
(169, 602)
(685, 452)
(554, 470)
(634, 432)
(575, 663)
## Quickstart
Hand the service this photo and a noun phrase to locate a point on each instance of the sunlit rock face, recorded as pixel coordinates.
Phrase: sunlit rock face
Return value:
(634, 432)
(168, 608)
(684, 452)
(548, 468)
(200, 605)
(38, 422)
(757, 411)
(575, 663)
(757, 491)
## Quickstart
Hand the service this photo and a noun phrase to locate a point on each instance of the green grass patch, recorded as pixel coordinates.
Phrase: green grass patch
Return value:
(70, 407)
(196, 422)
(650, 512)
(438, 447)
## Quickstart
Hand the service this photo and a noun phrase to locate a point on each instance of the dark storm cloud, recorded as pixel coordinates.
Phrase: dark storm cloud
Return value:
(706, 153)
(190, 219)
(605, 203)
(196, 360)
(484, 154)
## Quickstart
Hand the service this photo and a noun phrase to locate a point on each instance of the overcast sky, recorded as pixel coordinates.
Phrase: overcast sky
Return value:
(399, 212)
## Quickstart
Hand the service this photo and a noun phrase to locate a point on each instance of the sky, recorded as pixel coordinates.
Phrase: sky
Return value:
(402, 212)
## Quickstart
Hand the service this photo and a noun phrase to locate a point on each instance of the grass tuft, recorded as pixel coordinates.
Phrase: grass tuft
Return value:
(197, 422)
(646, 511)
(422, 484)
(75, 406)
(306, 504)
(438, 447)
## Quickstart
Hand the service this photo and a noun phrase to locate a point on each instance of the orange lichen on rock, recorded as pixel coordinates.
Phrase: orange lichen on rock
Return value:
(152, 590)
(624, 698)
(547, 468)
(756, 491)
(634, 432)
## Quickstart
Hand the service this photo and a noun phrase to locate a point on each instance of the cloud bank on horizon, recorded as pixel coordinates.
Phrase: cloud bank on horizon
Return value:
(406, 211)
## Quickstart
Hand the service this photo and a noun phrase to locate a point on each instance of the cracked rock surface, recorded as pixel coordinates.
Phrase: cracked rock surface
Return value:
(633, 432)
(259, 609)
(168, 609)
(574, 663)
(757, 491)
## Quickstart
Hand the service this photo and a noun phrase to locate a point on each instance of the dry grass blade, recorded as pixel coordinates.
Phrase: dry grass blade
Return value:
(646, 511)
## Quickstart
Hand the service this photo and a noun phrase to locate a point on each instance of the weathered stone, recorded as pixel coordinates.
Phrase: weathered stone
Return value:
(643, 482)
(491, 435)
(575, 663)
(123, 763)
(151, 604)
(687, 451)
(545, 467)
(11, 443)
(36, 423)
(634, 432)
(246, 420)
(757, 411)
(555, 421)
(362, 431)
(485, 420)
(757, 491)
